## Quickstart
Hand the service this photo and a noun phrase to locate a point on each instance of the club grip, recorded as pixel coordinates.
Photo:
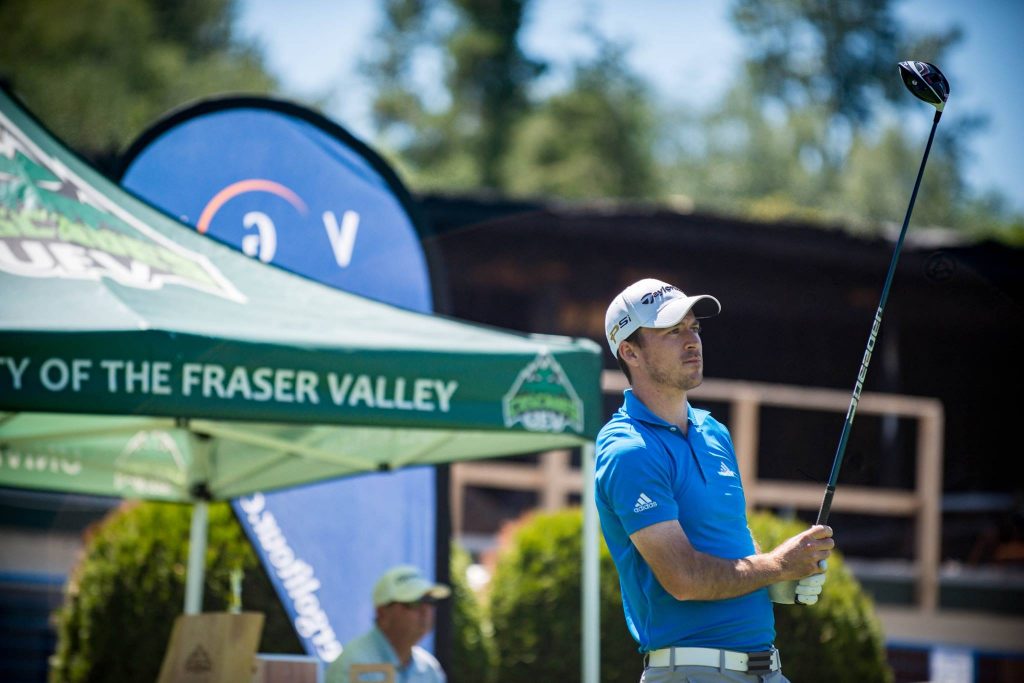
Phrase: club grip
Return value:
(826, 505)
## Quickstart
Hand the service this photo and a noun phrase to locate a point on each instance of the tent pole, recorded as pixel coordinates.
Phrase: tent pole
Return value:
(591, 574)
(196, 558)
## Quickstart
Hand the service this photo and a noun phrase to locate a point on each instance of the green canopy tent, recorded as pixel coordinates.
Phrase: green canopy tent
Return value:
(141, 359)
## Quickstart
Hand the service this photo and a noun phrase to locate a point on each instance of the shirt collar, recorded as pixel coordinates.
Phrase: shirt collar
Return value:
(637, 410)
(384, 646)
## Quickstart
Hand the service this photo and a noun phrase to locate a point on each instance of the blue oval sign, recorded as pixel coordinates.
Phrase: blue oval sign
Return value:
(289, 188)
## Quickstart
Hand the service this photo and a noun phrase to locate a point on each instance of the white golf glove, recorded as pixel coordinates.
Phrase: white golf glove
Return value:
(805, 591)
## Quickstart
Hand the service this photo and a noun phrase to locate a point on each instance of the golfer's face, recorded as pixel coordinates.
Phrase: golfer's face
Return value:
(674, 355)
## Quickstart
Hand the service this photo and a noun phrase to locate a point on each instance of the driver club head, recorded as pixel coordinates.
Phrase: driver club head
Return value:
(926, 82)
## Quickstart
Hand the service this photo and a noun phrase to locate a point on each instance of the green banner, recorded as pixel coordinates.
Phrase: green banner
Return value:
(187, 376)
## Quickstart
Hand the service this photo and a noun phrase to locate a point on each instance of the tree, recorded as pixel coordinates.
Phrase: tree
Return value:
(396, 103)
(840, 57)
(98, 73)
(595, 139)
(770, 167)
(492, 131)
(748, 161)
(879, 178)
(486, 78)
(489, 78)
(809, 129)
(822, 76)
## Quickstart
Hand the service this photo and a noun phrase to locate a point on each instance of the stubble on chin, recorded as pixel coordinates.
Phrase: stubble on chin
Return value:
(683, 379)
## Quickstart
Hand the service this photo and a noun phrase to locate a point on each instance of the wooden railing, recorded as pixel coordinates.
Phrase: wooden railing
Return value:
(554, 479)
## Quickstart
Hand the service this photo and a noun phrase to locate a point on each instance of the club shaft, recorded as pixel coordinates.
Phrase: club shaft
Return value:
(844, 437)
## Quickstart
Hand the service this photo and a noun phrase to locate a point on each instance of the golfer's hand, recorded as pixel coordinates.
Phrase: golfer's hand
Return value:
(809, 588)
(798, 557)
(805, 591)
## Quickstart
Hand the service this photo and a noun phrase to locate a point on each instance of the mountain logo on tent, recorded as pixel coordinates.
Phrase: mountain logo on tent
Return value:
(542, 399)
(53, 223)
(151, 464)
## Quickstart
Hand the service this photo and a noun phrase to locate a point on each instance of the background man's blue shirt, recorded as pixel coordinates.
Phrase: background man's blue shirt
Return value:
(373, 648)
(647, 472)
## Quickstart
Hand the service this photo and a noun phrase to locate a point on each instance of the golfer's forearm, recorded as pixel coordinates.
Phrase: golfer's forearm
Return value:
(706, 577)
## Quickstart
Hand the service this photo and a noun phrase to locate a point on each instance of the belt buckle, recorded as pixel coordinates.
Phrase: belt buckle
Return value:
(759, 662)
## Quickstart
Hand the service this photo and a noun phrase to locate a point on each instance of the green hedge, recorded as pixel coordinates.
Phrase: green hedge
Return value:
(124, 594)
(473, 655)
(535, 606)
(535, 610)
(129, 586)
(839, 639)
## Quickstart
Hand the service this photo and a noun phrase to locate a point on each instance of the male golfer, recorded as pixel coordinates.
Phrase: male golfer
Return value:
(404, 601)
(696, 592)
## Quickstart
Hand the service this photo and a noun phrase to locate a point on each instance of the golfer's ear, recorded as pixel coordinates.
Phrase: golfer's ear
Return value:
(627, 352)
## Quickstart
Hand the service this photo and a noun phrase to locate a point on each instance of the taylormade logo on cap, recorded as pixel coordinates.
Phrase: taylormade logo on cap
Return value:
(652, 303)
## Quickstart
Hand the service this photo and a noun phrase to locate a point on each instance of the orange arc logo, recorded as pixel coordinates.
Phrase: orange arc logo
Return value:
(241, 187)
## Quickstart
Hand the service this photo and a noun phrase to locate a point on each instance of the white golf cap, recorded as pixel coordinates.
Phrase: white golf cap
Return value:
(652, 303)
(405, 583)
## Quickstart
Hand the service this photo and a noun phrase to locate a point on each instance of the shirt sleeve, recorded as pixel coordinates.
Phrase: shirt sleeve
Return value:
(634, 480)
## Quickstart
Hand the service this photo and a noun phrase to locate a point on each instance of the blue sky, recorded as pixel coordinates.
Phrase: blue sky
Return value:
(687, 51)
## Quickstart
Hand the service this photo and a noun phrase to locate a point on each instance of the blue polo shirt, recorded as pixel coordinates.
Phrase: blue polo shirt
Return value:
(648, 472)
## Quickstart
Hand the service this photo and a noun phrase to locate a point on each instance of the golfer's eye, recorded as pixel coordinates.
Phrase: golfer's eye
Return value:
(696, 328)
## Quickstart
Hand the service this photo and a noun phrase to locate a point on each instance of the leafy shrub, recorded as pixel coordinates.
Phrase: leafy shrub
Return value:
(839, 639)
(535, 610)
(128, 588)
(535, 605)
(473, 655)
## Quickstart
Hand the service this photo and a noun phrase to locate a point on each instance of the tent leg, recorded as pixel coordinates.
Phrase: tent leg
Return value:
(591, 574)
(194, 578)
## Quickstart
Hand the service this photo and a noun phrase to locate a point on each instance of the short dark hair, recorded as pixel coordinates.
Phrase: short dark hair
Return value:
(637, 340)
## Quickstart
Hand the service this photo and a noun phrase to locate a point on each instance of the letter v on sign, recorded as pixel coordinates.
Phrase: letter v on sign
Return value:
(343, 237)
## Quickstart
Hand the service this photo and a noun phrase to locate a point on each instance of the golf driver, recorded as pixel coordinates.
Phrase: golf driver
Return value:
(926, 83)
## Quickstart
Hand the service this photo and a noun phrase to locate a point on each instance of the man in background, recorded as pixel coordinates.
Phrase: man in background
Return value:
(404, 602)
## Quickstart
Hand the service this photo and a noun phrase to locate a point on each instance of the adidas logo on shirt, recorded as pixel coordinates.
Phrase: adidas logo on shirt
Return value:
(724, 471)
(644, 503)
